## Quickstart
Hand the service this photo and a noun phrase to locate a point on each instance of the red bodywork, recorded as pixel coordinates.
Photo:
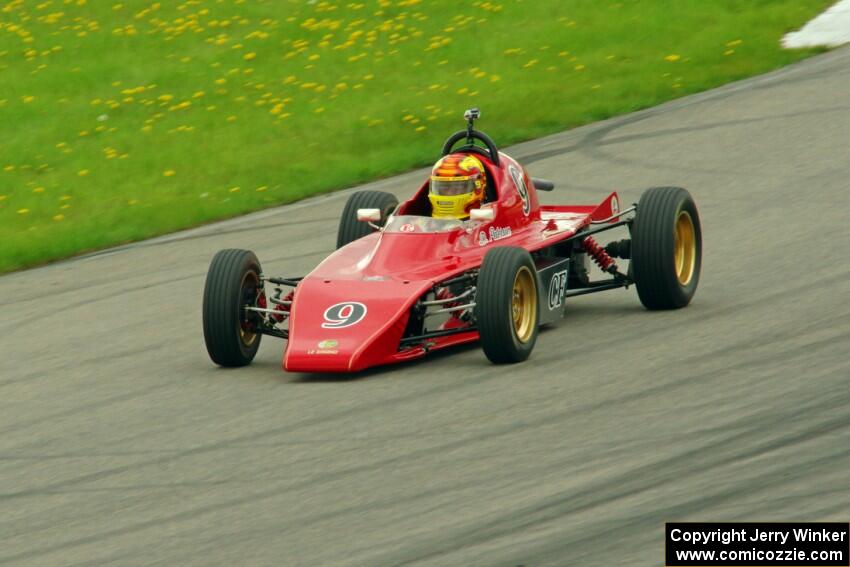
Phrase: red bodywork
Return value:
(387, 272)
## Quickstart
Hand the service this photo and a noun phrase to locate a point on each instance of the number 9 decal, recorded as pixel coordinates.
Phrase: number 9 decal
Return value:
(343, 315)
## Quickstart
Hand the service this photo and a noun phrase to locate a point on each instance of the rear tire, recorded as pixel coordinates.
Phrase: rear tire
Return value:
(506, 305)
(666, 248)
(233, 281)
(351, 229)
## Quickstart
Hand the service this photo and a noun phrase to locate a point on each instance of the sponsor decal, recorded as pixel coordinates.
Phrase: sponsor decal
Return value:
(498, 233)
(374, 278)
(325, 347)
(557, 288)
(495, 233)
(407, 227)
(342, 315)
(615, 205)
(519, 181)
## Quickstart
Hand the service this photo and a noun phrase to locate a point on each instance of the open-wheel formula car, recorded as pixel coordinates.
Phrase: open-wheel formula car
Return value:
(405, 281)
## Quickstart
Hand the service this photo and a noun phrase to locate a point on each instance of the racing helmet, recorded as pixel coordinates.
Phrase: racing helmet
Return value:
(458, 184)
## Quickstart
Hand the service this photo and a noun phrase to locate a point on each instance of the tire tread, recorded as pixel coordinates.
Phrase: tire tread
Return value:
(220, 307)
(653, 237)
(495, 286)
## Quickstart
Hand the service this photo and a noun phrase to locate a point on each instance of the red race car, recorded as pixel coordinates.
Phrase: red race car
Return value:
(471, 256)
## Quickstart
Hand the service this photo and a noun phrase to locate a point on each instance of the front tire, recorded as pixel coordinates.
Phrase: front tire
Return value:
(351, 229)
(230, 333)
(666, 248)
(506, 306)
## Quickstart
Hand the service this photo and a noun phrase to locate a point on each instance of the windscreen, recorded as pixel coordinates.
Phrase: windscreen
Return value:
(413, 224)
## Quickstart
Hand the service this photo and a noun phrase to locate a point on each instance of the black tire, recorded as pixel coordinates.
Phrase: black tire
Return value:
(503, 339)
(233, 281)
(351, 229)
(666, 248)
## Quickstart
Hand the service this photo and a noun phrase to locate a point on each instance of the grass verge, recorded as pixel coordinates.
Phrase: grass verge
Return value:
(124, 120)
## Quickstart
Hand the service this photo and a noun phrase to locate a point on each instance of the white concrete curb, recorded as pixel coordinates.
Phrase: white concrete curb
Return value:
(830, 29)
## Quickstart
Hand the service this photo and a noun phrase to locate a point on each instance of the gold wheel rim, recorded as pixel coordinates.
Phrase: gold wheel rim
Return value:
(685, 248)
(247, 337)
(524, 304)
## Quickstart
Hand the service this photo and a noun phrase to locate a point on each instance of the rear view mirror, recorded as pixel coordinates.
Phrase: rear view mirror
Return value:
(369, 215)
(482, 214)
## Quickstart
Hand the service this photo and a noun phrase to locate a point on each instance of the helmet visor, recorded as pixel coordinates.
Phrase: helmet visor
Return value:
(452, 186)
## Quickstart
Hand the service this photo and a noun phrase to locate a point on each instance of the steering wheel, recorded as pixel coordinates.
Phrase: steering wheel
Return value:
(490, 152)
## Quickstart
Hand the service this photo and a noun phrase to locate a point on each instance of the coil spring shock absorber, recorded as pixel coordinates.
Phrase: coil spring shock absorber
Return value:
(599, 255)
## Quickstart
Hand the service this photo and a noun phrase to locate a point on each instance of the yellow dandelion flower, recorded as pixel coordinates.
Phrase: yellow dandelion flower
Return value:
(132, 202)
(27, 99)
(23, 211)
(65, 198)
(2, 197)
(198, 94)
(734, 42)
(59, 217)
(83, 172)
(231, 119)
(234, 189)
(672, 58)
(64, 207)
(319, 110)
(38, 190)
(261, 189)
(421, 128)
(579, 67)
(168, 173)
(9, 168)
(729, 52)
(249, 56)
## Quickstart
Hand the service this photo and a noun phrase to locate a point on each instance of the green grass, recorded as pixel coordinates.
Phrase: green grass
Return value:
(123, 119)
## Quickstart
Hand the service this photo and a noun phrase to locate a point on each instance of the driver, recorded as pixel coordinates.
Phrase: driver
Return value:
(458, 184)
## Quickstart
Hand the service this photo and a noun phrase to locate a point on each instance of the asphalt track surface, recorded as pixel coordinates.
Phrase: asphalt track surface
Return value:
(122, 444)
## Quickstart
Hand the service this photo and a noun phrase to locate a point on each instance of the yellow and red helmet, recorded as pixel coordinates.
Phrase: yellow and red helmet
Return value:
(458, 184)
